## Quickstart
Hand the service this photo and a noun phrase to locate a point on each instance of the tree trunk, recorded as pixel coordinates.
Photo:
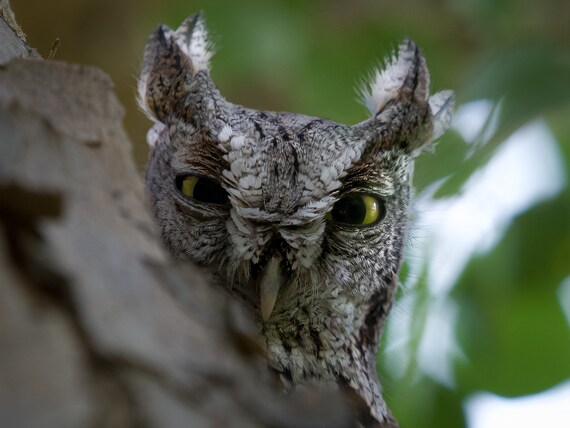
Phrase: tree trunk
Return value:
(98, 327)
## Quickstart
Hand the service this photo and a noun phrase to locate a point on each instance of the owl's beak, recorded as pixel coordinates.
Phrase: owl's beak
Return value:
(269, 286)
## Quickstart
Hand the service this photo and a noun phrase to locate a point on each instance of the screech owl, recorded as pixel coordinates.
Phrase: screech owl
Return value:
(302, 219)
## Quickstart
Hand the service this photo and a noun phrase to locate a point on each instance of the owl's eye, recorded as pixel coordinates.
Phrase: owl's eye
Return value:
(202, 189)
(358, 209)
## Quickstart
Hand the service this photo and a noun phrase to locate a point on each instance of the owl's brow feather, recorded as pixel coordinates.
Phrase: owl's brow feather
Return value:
(366, 171)
(201, 156)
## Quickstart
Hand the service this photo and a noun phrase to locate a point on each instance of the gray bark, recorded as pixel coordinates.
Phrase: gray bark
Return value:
(98, 326)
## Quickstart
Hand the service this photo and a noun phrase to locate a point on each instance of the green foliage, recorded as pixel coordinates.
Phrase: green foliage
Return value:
(513, 329)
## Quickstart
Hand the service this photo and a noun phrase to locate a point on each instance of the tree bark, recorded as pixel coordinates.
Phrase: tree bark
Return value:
(98, 326)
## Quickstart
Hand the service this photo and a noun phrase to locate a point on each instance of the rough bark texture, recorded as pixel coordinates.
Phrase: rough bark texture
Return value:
(98, 327)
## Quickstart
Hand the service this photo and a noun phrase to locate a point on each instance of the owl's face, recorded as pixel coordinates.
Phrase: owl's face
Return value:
(302, 219)
(289, 211)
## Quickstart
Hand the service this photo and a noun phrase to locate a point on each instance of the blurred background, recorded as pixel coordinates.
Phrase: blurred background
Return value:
(480, 336)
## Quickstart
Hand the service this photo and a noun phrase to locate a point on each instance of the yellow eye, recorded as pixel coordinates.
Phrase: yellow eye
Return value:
(188, 185)
(202, 189)
(359, 209)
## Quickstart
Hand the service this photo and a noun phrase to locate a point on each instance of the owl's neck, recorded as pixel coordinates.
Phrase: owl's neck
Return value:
(333, 345)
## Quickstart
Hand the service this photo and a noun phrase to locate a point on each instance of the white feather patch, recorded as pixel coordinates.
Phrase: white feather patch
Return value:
(153, 134)
(194, 42)
(141, 98)
(441, 105)
(225, 134)
(386, 84)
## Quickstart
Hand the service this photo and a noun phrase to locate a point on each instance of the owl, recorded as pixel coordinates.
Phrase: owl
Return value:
(301, 219)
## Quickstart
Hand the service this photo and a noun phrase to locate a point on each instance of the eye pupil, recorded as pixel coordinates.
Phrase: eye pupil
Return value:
(349, 209)
(202, 189)
(357, 209)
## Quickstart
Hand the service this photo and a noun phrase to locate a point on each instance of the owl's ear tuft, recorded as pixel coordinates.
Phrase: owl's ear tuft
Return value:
(405, 75)
(171, 60)
(192, 38)
(403, 113)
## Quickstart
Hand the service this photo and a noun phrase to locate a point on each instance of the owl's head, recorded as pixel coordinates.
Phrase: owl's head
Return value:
(302, 218)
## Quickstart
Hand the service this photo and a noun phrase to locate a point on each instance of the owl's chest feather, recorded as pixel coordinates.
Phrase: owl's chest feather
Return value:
(327, 345)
